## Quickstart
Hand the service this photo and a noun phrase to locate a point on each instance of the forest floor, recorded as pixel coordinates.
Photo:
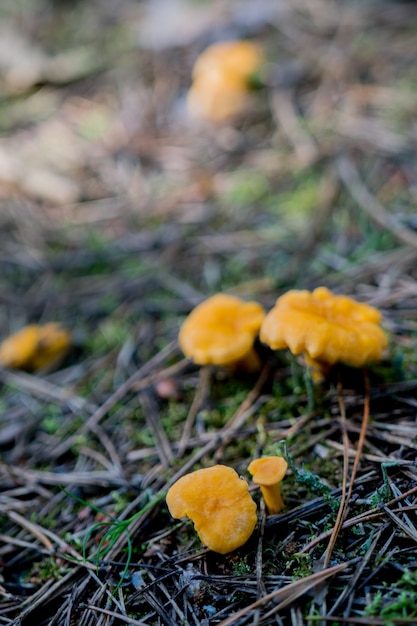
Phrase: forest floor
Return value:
(119, 214)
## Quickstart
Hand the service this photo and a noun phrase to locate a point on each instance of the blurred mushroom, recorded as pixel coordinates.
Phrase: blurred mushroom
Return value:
(268, 472)
(325, 327)
(221, 77)
(219, 504)
(36, 347)
(221, 331)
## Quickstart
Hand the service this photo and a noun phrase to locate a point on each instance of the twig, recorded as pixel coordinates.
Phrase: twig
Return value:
(119, 616)
(6, 539)
(103, 479)
(354, 579)
(205, 373)
(350, 177)
(286, 595)
(238, 419)
(344, 504)
(305, 147)
(358, 519)
(44, 389)
(154, 423)
(33, 528)
(260, 585)
(45, 536)
(341, 513)
(410, 532)
(48, 592)
(134, 382)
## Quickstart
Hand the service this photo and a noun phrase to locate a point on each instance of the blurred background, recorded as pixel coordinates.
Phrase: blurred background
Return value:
(111, 191)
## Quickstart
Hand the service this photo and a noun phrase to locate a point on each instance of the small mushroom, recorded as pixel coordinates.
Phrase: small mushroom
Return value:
(268, 472)
(325, 327)
(36, 347)
(219, 504)
(221, 331)
(221, 77)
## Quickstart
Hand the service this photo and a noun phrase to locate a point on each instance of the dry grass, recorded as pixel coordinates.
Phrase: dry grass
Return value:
(117, 216)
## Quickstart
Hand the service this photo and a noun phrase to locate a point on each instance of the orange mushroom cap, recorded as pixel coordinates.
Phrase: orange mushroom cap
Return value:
(236, 58)
(326, 327)
(268, 472)
(221, 78)
(219, 504)
(221, 330)
(35, 347)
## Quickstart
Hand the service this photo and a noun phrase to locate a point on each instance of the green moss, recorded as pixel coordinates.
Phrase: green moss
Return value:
(397, 602)
(301, 565)
(297, 204)
(245, 187)
(241, 567)
(46, 570)
(111, 334)
(52, 419)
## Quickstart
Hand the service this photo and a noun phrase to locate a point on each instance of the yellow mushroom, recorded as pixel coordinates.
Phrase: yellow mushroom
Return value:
(221, 331)
(221, 79)
(36, 347)
(219, 504)
(325, 327)
(268, 472)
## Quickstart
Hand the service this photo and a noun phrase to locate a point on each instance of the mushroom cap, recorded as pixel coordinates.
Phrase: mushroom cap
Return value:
(17, 349)
(217, 98)
(238, 58)
(268, 470)
(219, 504)
(221, 79)
(221, 330)
(35, 347)
(328, 328)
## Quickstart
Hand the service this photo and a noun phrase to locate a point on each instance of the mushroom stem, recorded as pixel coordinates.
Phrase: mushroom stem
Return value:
(273, 499)
(268, 472)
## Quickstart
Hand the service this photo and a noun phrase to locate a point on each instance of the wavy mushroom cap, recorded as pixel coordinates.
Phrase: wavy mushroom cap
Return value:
(219, 504)
(326, 327)
(221, 79)
(35, 347)
(268, 470)
(221, 330)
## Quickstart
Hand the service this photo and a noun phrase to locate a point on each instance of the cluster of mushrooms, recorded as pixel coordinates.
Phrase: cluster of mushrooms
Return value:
(221, 331)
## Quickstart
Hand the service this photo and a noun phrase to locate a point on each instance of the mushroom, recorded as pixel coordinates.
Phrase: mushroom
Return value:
(219, 504)
(221, 331)
(325, 327)
(268, 472)
(221, 76)
(35, 347)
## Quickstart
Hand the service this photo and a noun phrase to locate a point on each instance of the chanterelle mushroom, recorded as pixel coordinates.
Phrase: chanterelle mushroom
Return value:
(221, 331)
(268, 472)
(326, 327)
(219, 504)
(36, 347)
(221, 79)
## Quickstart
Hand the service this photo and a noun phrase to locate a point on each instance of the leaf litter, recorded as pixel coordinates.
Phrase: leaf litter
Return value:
(137, 214)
